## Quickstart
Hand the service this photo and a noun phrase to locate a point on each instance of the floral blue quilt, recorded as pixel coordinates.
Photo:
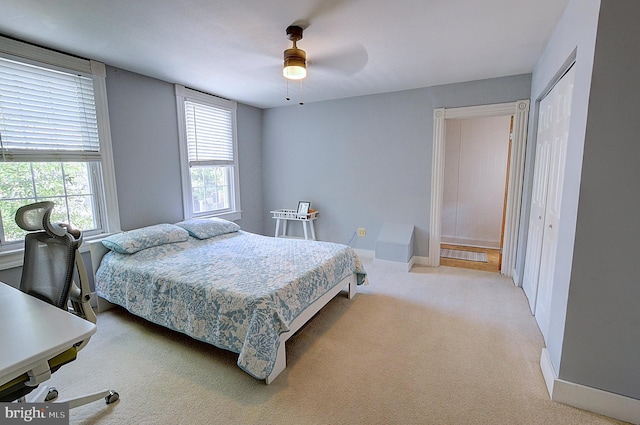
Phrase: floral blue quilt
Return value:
(238, 291)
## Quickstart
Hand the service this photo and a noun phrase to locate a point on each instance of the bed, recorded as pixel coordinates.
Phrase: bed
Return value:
(239, 291)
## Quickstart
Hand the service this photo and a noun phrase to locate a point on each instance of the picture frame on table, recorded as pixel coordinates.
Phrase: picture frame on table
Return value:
(303, 209)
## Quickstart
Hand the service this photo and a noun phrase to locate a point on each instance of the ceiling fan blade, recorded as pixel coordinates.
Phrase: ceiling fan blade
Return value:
(325, 7)
(346, 60)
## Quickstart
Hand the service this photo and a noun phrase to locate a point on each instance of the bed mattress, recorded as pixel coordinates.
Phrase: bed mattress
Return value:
(238, 291)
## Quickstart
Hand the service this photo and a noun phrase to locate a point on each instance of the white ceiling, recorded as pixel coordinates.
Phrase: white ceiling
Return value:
(233, 48)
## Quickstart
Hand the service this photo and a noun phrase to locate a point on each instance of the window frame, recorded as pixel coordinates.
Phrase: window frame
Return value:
(11, 255)
(186, 94)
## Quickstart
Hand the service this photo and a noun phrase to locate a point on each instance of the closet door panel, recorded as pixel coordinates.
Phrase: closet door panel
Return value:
(538, 203)
(560, 135)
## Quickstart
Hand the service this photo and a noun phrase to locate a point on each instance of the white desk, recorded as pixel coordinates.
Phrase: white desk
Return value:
(33, 331)
(285, 215)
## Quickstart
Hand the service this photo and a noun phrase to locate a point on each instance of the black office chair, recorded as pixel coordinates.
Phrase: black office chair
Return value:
(51, 258)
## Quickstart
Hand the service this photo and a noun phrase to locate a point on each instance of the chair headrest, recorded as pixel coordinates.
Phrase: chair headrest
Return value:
(36, 216)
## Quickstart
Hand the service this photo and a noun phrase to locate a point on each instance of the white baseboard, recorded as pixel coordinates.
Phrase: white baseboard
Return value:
(548, 372)
(592, 399)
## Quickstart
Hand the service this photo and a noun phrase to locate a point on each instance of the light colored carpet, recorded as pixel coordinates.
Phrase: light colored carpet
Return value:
(433, 346)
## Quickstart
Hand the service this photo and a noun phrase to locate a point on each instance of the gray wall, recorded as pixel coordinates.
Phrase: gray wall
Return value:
(365, 161)
(594, 331)
(602, 331)
(250, 163)
(144, 132)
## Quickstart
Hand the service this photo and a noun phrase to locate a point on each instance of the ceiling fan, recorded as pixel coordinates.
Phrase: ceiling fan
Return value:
(346, 60)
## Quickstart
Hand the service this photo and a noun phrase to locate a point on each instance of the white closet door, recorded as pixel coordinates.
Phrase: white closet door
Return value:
(553, 132)
(538, 203)
(561, 118)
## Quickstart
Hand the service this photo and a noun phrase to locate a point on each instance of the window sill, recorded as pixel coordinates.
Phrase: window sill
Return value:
(231, 216)
(11, 259)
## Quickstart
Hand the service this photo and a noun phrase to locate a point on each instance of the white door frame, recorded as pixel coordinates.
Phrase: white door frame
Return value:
(520, 111)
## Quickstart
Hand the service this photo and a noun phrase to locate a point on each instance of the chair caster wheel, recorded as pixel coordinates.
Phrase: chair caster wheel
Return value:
(52, 394)
(112, 397)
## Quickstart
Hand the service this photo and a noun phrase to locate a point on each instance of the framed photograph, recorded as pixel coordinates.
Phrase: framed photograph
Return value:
(303, 209)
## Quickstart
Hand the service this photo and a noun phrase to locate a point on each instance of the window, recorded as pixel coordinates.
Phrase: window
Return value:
(68, 184)
(54, 141)
(208, 155)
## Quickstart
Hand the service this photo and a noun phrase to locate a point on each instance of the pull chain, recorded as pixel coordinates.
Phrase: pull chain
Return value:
(301, 102)
(288, 98)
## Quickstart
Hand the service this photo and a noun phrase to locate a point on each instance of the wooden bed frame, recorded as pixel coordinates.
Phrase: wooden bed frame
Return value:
(98, 251)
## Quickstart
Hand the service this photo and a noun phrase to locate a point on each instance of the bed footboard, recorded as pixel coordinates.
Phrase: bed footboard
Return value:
(97, 252)
(281, 360)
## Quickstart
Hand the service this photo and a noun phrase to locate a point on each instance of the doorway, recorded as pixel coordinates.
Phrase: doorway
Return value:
(475, 191)
(520, 112)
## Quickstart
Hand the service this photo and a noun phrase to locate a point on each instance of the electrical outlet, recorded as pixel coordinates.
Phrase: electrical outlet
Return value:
(362, 232)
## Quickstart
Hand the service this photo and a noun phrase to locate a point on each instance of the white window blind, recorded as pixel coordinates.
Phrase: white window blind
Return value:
(55, 142)
(208, 155)
(209, 134)
(46, 115)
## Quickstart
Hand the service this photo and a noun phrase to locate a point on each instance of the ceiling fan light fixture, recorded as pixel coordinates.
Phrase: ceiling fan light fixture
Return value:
(295, 60)
(295, 64)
